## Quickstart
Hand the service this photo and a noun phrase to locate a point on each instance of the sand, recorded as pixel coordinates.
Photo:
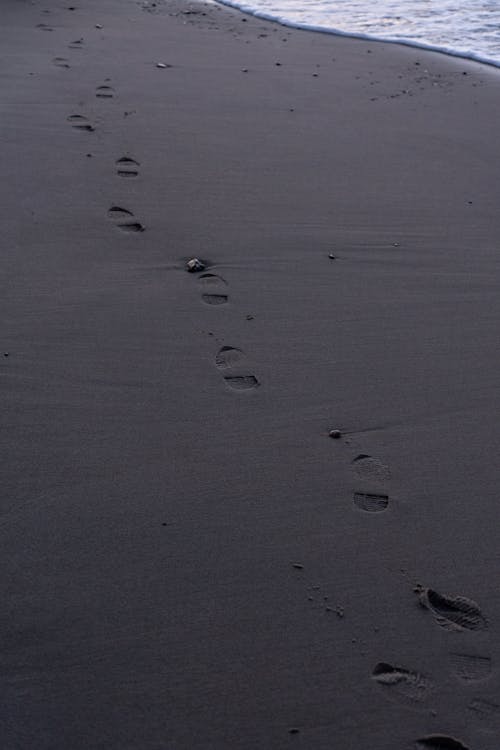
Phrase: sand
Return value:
(189, 561)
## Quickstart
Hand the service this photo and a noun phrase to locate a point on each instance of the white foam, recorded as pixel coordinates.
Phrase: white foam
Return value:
(437, 28)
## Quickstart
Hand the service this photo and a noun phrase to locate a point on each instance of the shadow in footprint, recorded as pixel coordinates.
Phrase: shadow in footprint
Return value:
(104, 92)
(127, 167)
(213, 289)
(401, 684)
(124, 219)
(231, 361)
(80, 123)
(77, 44)
(452, 612)
(440, 742)
(61, 62)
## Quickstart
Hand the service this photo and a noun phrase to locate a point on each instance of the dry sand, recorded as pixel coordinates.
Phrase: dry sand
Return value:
(188, 560)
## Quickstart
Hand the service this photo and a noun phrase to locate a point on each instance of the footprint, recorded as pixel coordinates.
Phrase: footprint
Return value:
(441, 742)
(231, 358)
(371, 469)
(125, 219)
(370, 502)
(452, 612)
(80, 123)
(485, 710)
(470, 667)
(402, 684)
(214, 289)
(104, 92)
(61, 62)
(127, 167)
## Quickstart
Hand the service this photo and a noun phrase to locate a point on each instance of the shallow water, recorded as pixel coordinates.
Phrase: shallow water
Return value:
(469, 28)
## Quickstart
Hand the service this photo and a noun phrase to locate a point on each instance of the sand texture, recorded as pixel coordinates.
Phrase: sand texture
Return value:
(189, 561)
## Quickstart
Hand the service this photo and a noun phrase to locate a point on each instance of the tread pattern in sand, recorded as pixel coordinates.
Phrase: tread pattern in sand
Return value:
(370, 502)
(370, 469)
(440, 742)
(453, 612)
(127, 167)
(402, 684)
(471, 667)
(213, 289)
(124, 219)
(231, 361)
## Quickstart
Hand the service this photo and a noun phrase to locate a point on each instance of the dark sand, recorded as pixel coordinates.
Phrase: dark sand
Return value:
(184, 563)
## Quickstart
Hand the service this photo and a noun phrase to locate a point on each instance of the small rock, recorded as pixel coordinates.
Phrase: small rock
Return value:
(244, 70)
(98, 26)
(294, 730)
(6, 354)
(194, 265)
(331, 256)
(161, 65)
(249, 317)
(297, 566)
(395, 244)
(335, 434)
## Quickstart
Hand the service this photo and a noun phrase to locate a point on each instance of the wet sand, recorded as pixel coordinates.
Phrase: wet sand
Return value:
(189, 560)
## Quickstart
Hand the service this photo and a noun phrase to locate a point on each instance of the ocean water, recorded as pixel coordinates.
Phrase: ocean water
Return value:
(467, 28)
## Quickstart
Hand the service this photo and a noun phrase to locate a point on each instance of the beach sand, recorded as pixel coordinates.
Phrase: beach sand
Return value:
(189, 560)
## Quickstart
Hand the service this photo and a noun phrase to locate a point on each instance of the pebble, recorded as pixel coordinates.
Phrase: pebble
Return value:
(298, 566)
(335, 434)
(98, 26)
(331, 256)
(194, 265)
(161, 65)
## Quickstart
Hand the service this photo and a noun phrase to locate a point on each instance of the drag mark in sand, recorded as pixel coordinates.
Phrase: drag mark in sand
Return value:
(370, 502)
(127, 167)
(125, 219)
(470, 667)
(80, 122)
(402, 684)
(452, 612)
(440, 742)
(230, 359)
(214, 289)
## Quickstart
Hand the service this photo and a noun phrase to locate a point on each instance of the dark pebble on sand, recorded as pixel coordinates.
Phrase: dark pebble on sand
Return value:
(294, 730)
(6, 354)
(249, 317)
(331, 256)
(298, 566)
(335, 434)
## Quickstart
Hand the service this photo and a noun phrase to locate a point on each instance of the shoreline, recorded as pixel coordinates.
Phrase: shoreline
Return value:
(414, 44)
(190, 561)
